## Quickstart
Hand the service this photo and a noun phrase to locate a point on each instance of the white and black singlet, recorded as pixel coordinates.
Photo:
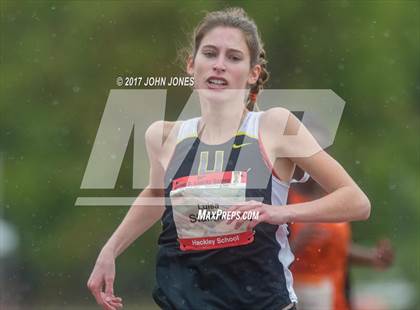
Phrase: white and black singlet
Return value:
(205, 264)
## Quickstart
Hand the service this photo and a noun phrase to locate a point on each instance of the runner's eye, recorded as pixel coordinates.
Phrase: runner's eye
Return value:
(209, 54)
(235, 58)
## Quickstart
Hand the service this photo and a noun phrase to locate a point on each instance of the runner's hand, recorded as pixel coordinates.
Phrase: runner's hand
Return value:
(384, 256)
(101, 283)
(266, 213)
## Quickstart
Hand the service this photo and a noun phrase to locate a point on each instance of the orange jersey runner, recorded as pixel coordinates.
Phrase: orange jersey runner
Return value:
(319, 270)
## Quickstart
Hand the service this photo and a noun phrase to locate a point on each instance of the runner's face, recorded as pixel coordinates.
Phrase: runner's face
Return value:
(223, 61)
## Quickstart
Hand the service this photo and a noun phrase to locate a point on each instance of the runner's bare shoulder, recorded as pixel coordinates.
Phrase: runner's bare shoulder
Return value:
(272, 126)
(284, 133)
(161, 137)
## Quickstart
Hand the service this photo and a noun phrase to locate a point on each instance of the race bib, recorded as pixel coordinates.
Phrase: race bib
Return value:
(201, 205)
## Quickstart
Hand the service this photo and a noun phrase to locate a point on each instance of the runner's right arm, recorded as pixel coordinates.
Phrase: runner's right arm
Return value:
(138, 219)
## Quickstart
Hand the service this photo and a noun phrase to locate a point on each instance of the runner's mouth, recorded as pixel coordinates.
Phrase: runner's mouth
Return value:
(216, 83)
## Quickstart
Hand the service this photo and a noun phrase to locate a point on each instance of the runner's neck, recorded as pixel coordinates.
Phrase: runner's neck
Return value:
(221, 131)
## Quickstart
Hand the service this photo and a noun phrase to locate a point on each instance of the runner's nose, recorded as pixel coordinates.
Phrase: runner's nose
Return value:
(219, 65)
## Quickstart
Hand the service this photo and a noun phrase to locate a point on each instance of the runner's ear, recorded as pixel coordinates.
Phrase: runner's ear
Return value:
(190, 65)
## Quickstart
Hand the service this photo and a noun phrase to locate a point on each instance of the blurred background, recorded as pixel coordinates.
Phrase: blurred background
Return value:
(59, 61)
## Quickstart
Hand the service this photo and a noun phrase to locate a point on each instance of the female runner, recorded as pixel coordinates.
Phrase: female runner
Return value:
(235, 153)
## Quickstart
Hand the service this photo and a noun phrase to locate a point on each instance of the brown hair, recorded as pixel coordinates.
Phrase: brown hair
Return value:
(236, 18)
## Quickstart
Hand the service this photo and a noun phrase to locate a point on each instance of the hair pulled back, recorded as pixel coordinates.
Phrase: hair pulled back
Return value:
(236, 18)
